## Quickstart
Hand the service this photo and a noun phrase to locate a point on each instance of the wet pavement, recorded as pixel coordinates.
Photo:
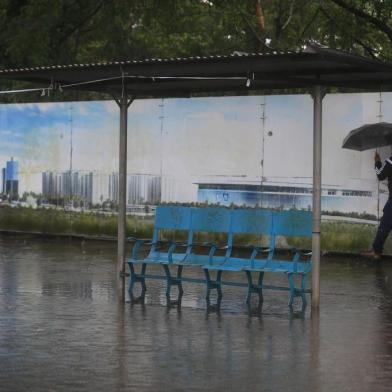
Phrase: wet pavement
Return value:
(61, 329)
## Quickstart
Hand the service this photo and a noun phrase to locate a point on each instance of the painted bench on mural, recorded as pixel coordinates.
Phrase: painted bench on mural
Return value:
(191, 223)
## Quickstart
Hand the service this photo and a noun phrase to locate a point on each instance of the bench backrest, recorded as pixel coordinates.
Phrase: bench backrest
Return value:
(215, 220)
(247, 221)
(292, 223)
(172, 218)
(233, 221)
(212, 220)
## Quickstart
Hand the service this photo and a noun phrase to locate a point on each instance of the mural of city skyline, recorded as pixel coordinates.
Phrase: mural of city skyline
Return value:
(10, 179)
(185, 149)
(96, 188)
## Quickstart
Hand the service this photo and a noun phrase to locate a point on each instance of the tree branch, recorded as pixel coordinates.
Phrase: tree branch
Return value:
(245, 18)
(81, 23)
(367, 48)
(363, 15)
(290, 15)
(312, 19)
(260, 16)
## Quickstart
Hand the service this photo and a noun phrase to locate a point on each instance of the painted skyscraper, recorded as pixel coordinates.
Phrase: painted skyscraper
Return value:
(10, 183)
(144, 189)
(91, 187)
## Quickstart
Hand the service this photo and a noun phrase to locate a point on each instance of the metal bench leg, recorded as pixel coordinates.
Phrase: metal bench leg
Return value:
(260, 291)
(290, 277)
(211, 285)
(250, 284)
(255, 288)
(294, 292)
(303, 294)
(173, 281)
(134, 278)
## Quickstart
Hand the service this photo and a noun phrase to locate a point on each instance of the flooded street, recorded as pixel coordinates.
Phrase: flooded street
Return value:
(61, 329)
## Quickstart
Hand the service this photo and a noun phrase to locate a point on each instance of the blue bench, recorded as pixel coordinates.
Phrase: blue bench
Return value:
(190, 223)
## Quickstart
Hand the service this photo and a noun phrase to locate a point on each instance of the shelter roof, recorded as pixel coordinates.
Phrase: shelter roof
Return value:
(240, 72)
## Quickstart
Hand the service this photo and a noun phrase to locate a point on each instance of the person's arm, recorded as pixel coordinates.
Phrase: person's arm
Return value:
(383, 170)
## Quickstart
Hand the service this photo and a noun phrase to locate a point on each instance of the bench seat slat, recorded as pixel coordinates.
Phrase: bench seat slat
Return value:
(144, 261)
(223, 267)
(287, 266)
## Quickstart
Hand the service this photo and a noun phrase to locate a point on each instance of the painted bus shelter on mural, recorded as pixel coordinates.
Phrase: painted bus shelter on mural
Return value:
(314, 69)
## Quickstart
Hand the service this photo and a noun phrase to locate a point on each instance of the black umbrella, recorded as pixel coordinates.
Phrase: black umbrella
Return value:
(369, 136)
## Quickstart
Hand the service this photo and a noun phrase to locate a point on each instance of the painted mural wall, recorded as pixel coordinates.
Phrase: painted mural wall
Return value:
(229, 150)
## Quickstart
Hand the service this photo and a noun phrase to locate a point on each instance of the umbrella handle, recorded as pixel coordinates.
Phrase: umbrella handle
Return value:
(378, 197)
(378, 201)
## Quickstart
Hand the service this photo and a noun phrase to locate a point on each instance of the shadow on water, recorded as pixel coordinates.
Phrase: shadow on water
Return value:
(62, 329)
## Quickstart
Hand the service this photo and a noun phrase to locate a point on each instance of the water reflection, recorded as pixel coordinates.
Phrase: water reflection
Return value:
(62, 329)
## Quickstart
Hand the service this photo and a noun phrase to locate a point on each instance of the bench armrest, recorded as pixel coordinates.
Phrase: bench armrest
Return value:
(206, 244)
(172, 248)
(307, 269)
(256, 250)
(176, 244)
(305, 252)
(136, 247)
(213, 247)
(260, 249)
(138, 242)
(210, 245)
(298, 253)
(301, 253)
(141, 240)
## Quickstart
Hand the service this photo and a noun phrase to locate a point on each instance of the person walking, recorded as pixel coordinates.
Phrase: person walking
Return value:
(383, 171)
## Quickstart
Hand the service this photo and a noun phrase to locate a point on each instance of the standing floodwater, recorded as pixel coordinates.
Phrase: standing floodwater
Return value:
(61, 329)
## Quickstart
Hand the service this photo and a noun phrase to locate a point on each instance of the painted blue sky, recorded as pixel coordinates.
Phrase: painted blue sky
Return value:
(38, 135)
(195, 138)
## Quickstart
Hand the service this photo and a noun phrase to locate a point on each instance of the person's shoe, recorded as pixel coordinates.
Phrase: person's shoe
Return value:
(371, 254)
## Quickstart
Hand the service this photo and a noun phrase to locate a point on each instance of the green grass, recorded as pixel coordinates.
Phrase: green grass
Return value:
(350, 237)
(336, 236)
(61, 222)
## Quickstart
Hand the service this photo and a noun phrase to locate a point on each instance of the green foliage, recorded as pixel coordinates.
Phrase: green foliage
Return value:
(37, 32)
(350, 237)
(357, 215)
(60, 222)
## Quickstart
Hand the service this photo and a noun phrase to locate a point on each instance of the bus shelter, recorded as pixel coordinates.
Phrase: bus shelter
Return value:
(314, 69)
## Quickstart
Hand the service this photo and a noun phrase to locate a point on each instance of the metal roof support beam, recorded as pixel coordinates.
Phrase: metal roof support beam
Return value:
(123, 102)
(318, 95)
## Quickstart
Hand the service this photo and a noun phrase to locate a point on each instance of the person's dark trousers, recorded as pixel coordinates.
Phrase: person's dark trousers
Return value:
(384, 228)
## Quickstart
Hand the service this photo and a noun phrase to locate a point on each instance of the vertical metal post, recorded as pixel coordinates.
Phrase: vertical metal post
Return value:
(318, 95)
(122, 202)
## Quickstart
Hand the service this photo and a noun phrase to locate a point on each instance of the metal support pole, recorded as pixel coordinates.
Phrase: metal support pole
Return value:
(123, 103)
(318, 95)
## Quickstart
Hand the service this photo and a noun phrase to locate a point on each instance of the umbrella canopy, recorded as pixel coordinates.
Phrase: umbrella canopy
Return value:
(369, 136)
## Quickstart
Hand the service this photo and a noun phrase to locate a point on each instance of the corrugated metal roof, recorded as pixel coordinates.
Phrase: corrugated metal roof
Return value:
(157, 60)
(234, 73)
